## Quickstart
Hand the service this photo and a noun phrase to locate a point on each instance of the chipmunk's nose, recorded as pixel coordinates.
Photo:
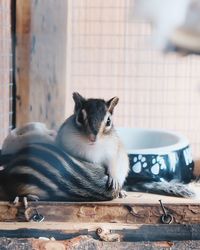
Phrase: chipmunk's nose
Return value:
(92, 137)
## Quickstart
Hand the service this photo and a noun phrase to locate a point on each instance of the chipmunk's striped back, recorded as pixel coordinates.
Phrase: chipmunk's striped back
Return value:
(45, 171)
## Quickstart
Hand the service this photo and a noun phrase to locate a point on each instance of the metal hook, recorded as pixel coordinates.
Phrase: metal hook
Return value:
(166, 218)
(37, 217)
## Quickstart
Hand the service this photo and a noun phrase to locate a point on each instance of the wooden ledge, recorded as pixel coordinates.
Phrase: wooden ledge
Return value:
(135, 218)
(132, 198)
(136, 208)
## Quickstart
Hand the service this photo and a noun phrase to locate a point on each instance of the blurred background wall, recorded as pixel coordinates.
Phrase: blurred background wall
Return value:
(5, 69)
(96, 48)
(111, 54)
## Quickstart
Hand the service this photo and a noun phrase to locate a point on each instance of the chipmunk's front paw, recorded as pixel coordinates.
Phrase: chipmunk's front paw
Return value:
(122, 194)
(25, 199)
(113, 184)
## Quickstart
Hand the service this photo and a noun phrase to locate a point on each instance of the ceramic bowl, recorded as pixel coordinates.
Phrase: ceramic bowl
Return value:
(157, 154)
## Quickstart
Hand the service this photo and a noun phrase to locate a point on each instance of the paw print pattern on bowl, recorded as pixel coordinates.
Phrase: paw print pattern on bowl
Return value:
(157, 154)
(158, 163)
(139, 162)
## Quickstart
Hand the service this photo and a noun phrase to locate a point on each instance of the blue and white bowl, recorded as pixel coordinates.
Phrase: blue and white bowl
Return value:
(157, 154)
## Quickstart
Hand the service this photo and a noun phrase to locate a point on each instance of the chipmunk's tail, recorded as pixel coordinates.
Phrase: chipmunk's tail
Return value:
(173, 188)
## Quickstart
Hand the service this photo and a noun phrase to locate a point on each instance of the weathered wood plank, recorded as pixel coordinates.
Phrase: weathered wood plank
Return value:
(69, 227)
(22, 60)
(138, 213)
(144, 214)
(124, 232)
(41, 32)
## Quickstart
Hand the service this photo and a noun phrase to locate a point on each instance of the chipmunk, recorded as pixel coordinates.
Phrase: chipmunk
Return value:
(89, 135)
(37, 168)
(56, 172)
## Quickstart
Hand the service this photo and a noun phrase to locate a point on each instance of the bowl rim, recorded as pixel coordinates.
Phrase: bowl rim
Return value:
(180, 145)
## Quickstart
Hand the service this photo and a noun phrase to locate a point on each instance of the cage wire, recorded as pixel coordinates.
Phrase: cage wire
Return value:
(6, 85)
(111, 54)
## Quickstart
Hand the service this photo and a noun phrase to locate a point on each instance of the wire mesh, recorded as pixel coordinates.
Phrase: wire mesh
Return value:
(112, 55)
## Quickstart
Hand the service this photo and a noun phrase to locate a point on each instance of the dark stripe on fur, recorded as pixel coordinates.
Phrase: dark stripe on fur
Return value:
(70, 173)
(64, 170)
(31, 164)
(87, 172)
(77, 168)
(19, 178)
(4, 159)
(65, 182)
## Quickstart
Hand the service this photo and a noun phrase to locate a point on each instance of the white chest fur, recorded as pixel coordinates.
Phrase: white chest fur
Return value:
(76, 144)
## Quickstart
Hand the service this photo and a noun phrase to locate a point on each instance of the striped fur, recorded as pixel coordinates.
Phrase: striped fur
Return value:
(43, 170)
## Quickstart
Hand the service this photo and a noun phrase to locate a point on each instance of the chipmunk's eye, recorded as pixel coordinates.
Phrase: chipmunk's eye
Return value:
(108, 122)
(79, 119)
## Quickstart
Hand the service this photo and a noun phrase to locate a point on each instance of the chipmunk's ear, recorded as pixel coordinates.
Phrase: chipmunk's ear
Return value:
(112, 103)
(79, 100)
